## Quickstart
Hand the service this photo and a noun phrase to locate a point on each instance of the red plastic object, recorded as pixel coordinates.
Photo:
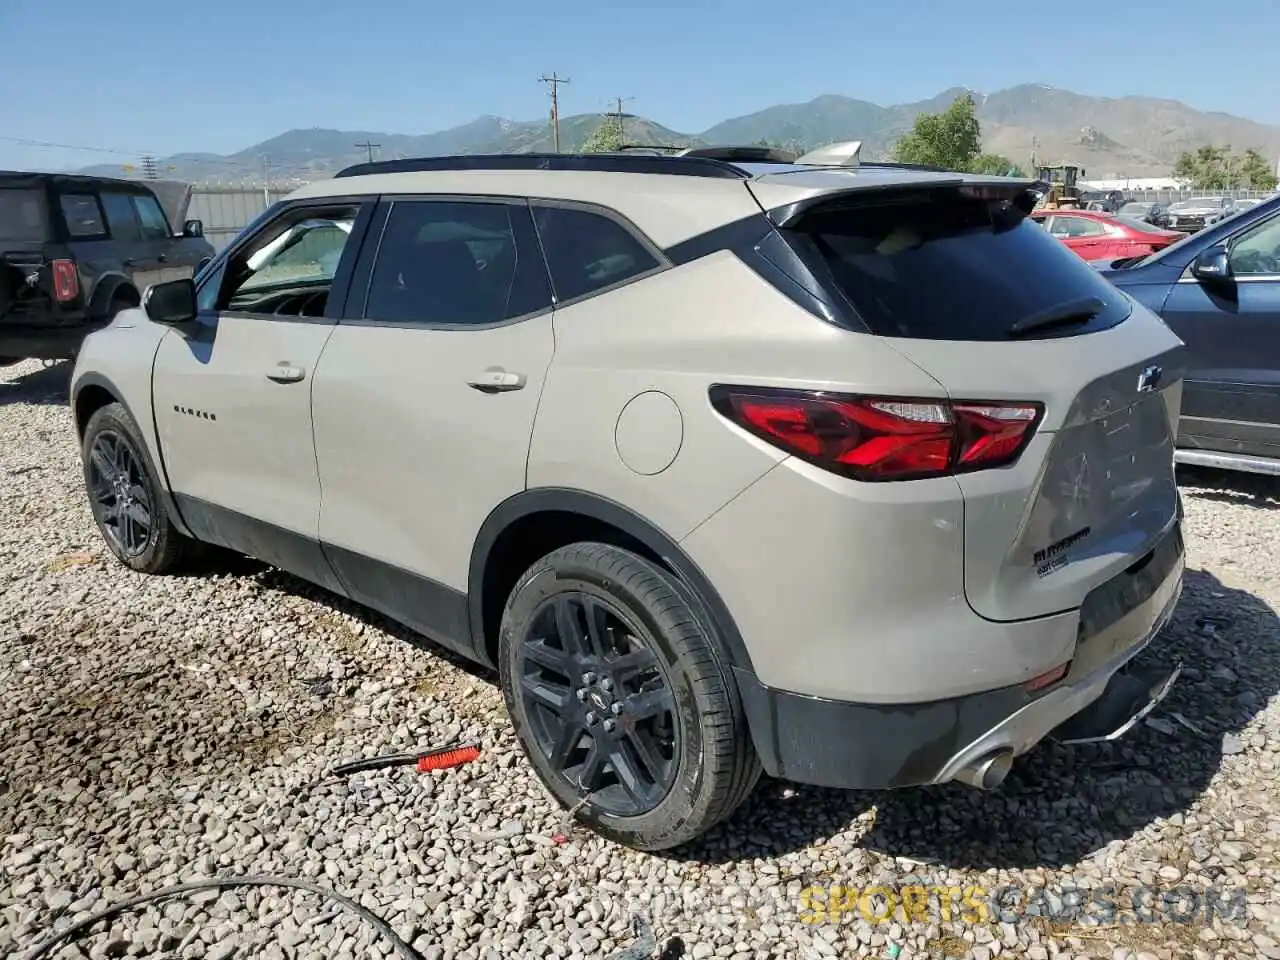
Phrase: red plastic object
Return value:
(447, 759)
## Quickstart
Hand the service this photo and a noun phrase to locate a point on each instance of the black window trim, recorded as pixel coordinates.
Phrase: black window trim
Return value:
(357, 303)
(1229, 243)
(340, 287)
(1260, 224)
(92, 193)
(663, 262)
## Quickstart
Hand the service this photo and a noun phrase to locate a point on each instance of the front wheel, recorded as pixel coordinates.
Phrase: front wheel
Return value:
(126, 497)
(621, 700)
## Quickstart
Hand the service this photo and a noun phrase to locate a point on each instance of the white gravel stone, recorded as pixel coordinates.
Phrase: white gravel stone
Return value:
(161, 730)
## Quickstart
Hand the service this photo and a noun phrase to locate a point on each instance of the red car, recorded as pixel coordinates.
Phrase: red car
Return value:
(1095, 235)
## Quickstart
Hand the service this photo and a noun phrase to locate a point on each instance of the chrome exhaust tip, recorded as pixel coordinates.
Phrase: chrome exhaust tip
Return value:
(988, 771)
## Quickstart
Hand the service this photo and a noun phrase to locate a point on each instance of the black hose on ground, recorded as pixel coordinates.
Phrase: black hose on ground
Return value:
(225, 883)
(640, 950)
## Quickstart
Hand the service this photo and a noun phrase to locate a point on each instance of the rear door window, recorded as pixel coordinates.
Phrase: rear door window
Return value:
(82, 215)
(121, 218)
(943, 267)
(22, 215)
(587, 252)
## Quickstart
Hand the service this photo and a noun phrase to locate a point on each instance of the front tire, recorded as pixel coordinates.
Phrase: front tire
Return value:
(620, 698)
(126, 496)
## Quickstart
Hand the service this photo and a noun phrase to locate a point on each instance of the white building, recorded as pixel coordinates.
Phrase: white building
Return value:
(1138, 183)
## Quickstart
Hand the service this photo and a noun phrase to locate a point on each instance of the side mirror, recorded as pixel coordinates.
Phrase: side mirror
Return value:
(1211, 264)
(172, 303)
(193, 229)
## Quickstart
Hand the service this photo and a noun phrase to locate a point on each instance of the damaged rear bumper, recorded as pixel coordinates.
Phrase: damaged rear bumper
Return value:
(973, 738)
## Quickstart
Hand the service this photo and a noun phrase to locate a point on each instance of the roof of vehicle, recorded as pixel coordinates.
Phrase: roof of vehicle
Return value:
(1072, 212)
(30, 178)
(669, 198)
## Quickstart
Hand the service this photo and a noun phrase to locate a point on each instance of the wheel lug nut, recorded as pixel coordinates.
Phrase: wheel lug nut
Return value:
(610, 726)
(582, 694)
(606, 684)
(591, 718)
(588, 678)
(616, 709)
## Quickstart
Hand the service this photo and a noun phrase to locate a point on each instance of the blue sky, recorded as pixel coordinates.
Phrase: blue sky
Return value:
(161, 77)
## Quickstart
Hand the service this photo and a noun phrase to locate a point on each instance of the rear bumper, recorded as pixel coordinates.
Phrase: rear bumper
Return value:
(872, 746)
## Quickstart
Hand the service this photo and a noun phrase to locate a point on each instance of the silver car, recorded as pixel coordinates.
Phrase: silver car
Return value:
(1194, 214)
(726, 462)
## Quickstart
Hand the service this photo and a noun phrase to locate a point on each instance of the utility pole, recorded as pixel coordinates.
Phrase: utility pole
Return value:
(370, 147)
(619, 115)
(1035, 145)
(554, 80)
(266, 181)
(149, 170)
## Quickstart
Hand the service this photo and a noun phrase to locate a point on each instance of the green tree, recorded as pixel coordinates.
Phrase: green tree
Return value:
(951, 139)
(1256, 172)
(1217, 168)
(1207, 168)
(605, 138)
(995, 165)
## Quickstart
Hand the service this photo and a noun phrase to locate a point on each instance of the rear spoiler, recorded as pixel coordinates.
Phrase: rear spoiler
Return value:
(175, 198)
(1023, 194)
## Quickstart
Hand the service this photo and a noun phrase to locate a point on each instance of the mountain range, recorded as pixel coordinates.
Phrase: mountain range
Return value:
(1109, 137)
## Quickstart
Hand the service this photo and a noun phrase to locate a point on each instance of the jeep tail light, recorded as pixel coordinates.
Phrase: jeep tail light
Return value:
(66, 282)
(882, 438)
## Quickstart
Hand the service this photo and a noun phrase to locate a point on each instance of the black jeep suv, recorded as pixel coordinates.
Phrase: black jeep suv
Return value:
(74, 251)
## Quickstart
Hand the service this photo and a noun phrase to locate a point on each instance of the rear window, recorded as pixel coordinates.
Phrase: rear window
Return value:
(1133, 223)
(82, 215)
(942, 267)
(22, 216)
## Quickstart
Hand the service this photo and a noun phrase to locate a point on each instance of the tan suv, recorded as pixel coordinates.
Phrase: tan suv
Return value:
(724, 460)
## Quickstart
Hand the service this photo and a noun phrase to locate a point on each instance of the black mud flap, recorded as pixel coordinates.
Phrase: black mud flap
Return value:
(1130, 695)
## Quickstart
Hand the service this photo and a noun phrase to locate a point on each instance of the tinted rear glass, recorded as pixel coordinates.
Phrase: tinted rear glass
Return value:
(22, 215)
(942, 267)
(82, 215)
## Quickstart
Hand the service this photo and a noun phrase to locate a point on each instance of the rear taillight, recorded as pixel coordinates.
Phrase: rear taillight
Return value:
(882, 438)
(66, 282)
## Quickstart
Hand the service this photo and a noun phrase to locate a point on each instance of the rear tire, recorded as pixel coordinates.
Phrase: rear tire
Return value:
(620, 696)
(127, 498)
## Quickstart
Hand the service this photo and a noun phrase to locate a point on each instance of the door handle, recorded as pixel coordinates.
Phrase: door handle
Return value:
(285, 373)
(496, 380)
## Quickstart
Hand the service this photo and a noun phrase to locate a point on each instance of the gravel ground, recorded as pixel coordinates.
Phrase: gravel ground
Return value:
(160, 730)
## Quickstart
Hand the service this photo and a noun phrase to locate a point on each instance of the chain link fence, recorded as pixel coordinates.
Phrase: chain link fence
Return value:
(225, 211)
(1168, 196)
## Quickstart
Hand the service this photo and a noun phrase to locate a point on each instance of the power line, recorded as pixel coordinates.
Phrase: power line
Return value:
(554, 80)
(369, 147)
(24, 141)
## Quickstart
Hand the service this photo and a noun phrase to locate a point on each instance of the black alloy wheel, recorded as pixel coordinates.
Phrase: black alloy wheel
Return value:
(599, 705)
(622, 697)
(118, 493)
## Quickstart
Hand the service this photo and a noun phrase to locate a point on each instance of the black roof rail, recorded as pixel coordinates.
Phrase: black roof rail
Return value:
(895, 165)
(581, 162)
(745, 154)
